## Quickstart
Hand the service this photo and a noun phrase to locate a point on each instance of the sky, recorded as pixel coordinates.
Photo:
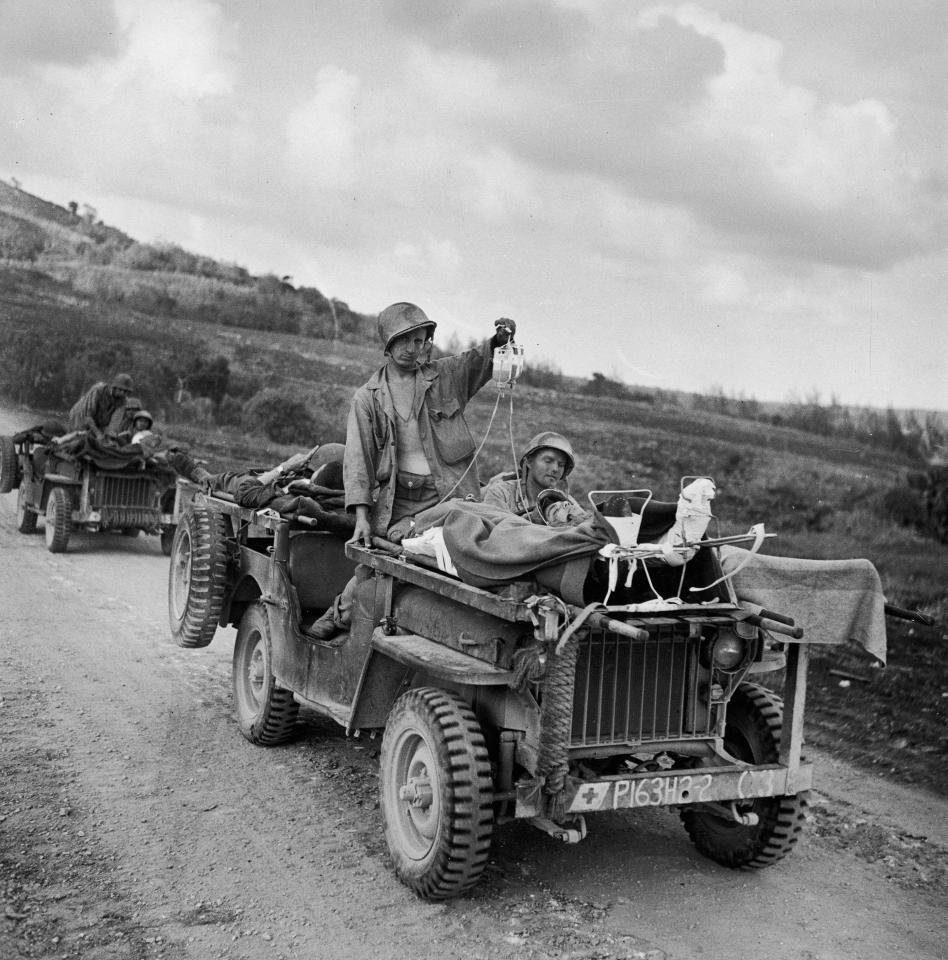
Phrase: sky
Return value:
(723, 195)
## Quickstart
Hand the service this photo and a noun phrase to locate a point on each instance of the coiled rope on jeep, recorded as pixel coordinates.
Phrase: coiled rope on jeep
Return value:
(556, 716)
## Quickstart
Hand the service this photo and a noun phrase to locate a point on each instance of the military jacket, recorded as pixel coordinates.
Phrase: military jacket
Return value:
(371, 461)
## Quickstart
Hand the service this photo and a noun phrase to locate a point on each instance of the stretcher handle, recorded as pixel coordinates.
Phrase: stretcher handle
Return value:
(779, 617)
(382, 544)
(913, 615)
(774, 626)
(602, 622)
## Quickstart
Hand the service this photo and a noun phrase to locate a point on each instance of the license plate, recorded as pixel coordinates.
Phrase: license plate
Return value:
(669, 789)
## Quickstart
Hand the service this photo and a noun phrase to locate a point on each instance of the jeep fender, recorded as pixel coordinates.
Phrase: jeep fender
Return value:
(394, 660)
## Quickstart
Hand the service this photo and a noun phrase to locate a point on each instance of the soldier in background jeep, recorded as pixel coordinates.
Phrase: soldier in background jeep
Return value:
(96, 408)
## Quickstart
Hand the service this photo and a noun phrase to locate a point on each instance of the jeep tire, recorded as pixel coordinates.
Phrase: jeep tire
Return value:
(752, 734)
(58, 520)
(8, 465)
(266, 713)
(436, 793)
(197, 576)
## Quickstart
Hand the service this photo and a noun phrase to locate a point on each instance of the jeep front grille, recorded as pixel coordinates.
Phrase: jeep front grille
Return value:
(629, 691)
(126, 501)
(125, 491)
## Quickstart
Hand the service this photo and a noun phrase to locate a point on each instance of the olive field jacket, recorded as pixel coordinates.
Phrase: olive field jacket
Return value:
(371, 459)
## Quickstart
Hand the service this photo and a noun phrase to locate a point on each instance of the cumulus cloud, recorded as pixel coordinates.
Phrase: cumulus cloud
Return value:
(677, 105)
(149, 119)
(497, 29)
(828, 178)
(320, 133)
(438, 255)
(180, 47)
(49, 31)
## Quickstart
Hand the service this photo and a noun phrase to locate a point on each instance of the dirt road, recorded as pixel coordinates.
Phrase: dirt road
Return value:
(136, 822)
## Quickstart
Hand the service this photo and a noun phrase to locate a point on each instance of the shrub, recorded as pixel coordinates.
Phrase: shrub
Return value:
(542, 375)
(792, 504)
(280, 416)
(602, 386)
(242, 385)
(905, 506)
(20, 239)
(208, 378)
(229, 412)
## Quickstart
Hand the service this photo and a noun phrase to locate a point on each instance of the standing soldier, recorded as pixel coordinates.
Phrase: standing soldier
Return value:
(408, 446)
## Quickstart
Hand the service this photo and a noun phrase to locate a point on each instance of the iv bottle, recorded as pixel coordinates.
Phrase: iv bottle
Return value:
(508, 364)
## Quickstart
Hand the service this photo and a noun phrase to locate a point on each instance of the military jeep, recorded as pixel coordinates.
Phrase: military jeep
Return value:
(79, 492)
(498, 706)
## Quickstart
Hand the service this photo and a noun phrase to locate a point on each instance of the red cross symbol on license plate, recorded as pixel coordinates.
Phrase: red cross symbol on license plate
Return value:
(590, 797)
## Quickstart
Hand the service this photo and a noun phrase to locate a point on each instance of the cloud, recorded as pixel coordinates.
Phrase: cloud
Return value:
(500, 189)
(809, 178)
(42, 32)
(320, 133)
(434, 255)
(495, 29)
(180, 47)
(152, 119)
(678, 106)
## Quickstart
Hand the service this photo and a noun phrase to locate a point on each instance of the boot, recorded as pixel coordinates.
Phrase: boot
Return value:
(325, 627)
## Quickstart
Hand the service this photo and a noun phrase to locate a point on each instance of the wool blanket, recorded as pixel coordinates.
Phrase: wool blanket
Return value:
(106, 454)
(491, 548)
(835, 601)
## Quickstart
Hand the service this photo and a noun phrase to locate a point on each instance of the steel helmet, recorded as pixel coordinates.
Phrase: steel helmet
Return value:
(326, 453)
(138, 414)
(132, 403)
(555, 441)
(401, 318)
(122, 380)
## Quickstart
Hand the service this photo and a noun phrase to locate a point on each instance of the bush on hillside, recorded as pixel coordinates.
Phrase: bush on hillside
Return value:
(170, 258)
(602, 386)
(20, 239)
(542, 375)
(32, 364)
(905, 506)
(242, 385)
(280, 416)
(207, 378)
(797, 503)
(229, 412)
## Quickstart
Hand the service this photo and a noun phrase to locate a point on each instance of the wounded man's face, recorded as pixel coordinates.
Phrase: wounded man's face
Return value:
(547, 467)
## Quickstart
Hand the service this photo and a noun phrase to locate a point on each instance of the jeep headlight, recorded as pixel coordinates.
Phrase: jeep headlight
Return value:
(729, 652)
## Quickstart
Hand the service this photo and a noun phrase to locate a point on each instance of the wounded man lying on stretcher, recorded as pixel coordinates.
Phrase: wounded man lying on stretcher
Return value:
(307, 484)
